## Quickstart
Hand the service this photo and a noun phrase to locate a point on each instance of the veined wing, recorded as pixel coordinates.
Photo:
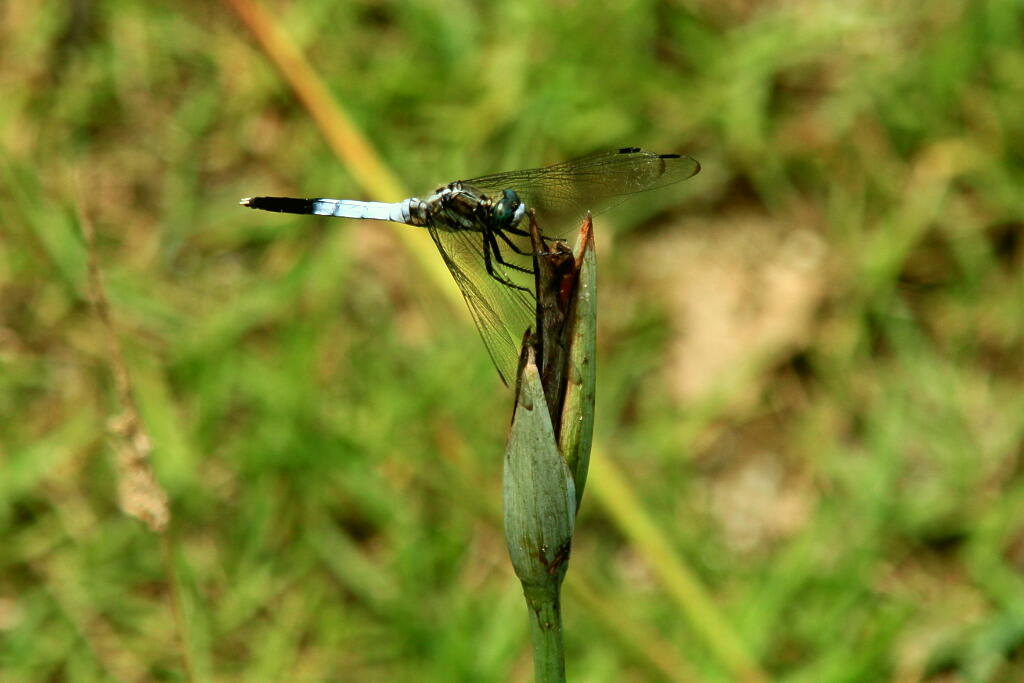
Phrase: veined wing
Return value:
(595, 182)
(501, 313)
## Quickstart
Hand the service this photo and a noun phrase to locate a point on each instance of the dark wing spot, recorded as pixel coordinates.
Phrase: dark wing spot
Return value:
(629, 150)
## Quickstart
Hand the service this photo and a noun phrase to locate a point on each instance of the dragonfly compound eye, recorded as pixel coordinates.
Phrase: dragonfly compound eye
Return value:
(509, 210)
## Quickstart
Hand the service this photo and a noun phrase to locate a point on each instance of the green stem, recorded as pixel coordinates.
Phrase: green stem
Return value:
(546, 632)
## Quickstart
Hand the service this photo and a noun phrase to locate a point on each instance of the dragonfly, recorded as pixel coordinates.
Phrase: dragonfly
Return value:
(479, 229)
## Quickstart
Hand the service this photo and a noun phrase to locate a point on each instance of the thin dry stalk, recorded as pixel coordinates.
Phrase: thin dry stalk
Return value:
(139, 494)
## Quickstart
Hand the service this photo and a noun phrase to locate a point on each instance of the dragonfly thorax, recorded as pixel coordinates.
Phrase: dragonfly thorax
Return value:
(460, 207)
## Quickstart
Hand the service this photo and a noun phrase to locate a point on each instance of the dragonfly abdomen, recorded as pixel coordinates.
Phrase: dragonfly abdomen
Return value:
(411, 211)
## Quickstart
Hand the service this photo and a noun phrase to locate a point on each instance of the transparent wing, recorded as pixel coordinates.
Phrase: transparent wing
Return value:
(501, 313)
(595, 182)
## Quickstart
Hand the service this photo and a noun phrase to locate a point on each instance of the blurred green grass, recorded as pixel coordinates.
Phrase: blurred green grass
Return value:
(330, 429)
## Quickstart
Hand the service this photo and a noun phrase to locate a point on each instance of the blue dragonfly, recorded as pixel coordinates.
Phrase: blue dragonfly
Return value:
(478, 227)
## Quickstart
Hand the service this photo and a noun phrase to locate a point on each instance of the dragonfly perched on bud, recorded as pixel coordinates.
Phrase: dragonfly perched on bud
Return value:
(478, 227)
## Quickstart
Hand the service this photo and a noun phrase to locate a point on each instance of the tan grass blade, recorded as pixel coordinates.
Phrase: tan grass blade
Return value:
(345, 139)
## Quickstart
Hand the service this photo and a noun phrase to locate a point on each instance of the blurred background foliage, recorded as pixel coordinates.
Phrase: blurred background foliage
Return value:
(810, 415)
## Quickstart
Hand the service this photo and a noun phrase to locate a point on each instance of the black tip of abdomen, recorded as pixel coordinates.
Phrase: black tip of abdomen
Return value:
(280, 204)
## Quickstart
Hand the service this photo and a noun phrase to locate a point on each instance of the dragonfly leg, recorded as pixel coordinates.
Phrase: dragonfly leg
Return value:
(510, 243)
(495, 248)
(517, 231)
(523, 233)
(491, 244)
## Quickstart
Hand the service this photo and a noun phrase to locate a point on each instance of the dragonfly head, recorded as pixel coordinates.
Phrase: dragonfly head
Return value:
(509, 210)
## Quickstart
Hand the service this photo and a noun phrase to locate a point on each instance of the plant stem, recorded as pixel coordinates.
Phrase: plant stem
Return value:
(546, 632)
